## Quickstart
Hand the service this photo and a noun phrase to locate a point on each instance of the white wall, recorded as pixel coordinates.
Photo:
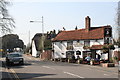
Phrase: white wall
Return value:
(78, 46)
(34, 51)
(98, 42)
(60, 47)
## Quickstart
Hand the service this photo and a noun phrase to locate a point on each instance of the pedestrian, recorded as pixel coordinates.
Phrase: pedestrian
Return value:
(73, 58)
(78, 57)
(88, 58)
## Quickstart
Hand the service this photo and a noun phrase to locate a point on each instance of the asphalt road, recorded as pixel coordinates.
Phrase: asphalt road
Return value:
(34, 69)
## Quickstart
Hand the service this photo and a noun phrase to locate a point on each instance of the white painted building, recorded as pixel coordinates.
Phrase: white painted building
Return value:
(88, 41)
(34, 50)
(35, 45)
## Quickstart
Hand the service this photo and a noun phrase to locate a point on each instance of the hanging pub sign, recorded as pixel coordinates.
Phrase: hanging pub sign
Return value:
(108, 32)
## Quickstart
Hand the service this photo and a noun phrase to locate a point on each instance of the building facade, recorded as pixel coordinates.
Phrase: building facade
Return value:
(89, 40)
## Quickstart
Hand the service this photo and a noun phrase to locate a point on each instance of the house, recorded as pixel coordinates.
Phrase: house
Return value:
(37, 47)
(35, 44)
(89, 40)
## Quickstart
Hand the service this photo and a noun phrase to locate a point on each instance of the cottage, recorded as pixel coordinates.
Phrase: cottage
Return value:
(35, 45)
(85, 41)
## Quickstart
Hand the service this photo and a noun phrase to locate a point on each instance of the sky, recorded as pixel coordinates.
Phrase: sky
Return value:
(57, 15)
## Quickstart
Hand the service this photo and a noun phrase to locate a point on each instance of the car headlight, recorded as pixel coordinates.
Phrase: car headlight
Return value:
(21, 59)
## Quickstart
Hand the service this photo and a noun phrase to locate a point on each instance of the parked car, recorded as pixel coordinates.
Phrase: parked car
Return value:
(14, 58)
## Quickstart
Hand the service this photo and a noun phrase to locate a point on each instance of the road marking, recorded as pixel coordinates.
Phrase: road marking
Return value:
(15, 75)
(106, 74)
(76, 64)
(8, 73)
(73, 74)
(48, 67)
(7, 70)
(99, 69)
(25, 66)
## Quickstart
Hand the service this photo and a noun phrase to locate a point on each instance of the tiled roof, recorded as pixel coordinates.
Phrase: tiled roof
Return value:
(96, 47)
(81, 34)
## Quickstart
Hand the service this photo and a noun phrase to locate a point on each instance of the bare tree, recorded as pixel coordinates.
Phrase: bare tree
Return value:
(6, 21)
(118, 20)
(118, 25)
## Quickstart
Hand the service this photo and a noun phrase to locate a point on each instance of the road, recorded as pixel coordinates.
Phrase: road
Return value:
(34, 69)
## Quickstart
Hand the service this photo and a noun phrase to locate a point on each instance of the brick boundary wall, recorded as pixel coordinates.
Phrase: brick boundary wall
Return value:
(47, 55)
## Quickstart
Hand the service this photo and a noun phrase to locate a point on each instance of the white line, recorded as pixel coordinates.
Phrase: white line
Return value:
(48, 67)
(25, 66)
(73, 74)
(8, 73)
(99, 69)
(7, 70)
(76, 64)
(15, 75)
(106, 74)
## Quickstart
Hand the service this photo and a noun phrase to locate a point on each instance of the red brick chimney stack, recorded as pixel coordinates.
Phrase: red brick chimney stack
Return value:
(87, 23)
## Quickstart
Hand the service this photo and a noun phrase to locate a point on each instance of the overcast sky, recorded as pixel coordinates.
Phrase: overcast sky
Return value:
(59, 14)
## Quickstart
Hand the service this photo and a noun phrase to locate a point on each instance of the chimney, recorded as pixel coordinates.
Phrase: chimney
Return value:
(87, 23)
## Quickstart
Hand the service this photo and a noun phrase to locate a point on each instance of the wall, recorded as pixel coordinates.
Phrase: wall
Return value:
(34, 51)
(98, 42)
(47, 55)
(60, 47)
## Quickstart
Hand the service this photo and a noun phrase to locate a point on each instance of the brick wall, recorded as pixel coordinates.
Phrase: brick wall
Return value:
(47, 55)
(117, 54)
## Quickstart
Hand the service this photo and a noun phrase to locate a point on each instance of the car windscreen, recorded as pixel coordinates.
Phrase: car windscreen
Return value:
(14, 55)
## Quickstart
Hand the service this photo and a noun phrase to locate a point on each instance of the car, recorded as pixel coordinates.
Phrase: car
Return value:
(14, 58)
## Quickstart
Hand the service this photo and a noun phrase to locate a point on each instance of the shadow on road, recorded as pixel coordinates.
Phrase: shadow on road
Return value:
(26, 76)
(15, 65)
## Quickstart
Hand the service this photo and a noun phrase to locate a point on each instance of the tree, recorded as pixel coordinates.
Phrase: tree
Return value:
(118, 24)
(11, 41)
(6, 21)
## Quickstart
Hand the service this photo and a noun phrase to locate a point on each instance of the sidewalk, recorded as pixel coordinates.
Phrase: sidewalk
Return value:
(4, 73)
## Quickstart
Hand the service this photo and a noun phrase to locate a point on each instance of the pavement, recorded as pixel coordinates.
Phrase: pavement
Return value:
(4, 73)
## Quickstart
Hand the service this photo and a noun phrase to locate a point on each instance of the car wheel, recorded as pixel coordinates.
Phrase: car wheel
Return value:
(22, 62)
(7, 63)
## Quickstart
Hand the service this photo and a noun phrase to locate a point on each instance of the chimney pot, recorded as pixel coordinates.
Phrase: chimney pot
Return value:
(87, 23)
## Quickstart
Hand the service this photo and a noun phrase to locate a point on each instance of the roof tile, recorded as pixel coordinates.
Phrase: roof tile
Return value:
(81, 34)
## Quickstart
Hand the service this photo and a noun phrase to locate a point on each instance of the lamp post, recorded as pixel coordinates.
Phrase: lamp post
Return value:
(42, 42)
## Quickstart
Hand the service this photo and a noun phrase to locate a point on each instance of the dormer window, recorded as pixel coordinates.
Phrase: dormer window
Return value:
(87, 43)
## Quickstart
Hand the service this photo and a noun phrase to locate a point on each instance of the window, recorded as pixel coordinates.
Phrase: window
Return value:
(87, 43)
(107, 40)
(70, 45)
(78, 53)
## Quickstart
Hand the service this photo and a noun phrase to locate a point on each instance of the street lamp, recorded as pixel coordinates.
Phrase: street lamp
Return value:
(42, 43)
